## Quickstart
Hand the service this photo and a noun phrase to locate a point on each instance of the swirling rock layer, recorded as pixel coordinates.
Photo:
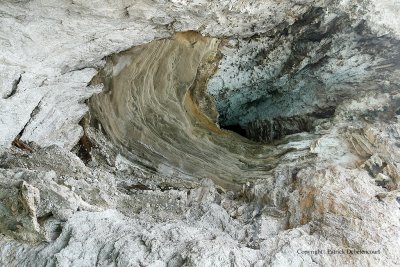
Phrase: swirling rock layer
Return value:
(155, 107)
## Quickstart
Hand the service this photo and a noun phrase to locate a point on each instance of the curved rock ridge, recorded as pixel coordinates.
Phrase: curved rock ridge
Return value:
(154, 105)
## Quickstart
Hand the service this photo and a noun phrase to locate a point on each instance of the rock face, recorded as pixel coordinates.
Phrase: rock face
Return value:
(154, 111)
(115, 146)
(277, 82)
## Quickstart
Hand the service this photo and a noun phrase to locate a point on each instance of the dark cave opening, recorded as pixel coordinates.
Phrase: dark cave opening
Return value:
(266, 131)
(237, 129)
(269, 130)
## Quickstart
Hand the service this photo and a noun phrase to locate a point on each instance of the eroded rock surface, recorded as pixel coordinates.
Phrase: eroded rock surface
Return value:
(119, 158)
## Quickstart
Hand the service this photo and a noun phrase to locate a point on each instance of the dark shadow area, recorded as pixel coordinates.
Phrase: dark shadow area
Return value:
(236, 128)
(265, 131)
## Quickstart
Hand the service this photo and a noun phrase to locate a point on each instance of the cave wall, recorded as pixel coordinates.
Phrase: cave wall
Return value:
(148, 194)
(298, 73)
(54, 48)
(154, 107)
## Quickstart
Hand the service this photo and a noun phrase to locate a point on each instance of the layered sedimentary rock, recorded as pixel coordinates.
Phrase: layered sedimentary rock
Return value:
(153, 107)
(115, 141)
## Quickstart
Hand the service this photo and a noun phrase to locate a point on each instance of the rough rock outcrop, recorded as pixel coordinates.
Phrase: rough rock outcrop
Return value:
(113, 152)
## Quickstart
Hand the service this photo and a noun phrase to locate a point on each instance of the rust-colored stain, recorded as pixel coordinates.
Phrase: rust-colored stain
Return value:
(199, 116)
(190, 36)
(21, 145)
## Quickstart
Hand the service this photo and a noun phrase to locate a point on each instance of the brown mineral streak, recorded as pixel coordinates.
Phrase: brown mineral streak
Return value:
(199, 116)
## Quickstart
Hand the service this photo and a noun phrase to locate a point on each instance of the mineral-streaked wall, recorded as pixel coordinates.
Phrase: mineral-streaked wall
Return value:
(133, 199)
(151, 107)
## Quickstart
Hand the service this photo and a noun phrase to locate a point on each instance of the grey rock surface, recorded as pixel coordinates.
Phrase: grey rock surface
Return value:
(111, 151)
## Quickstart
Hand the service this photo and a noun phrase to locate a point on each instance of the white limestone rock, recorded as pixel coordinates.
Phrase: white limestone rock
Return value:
(334, 189)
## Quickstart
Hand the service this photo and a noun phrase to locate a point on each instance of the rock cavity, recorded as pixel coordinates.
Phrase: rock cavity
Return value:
(155, 108)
